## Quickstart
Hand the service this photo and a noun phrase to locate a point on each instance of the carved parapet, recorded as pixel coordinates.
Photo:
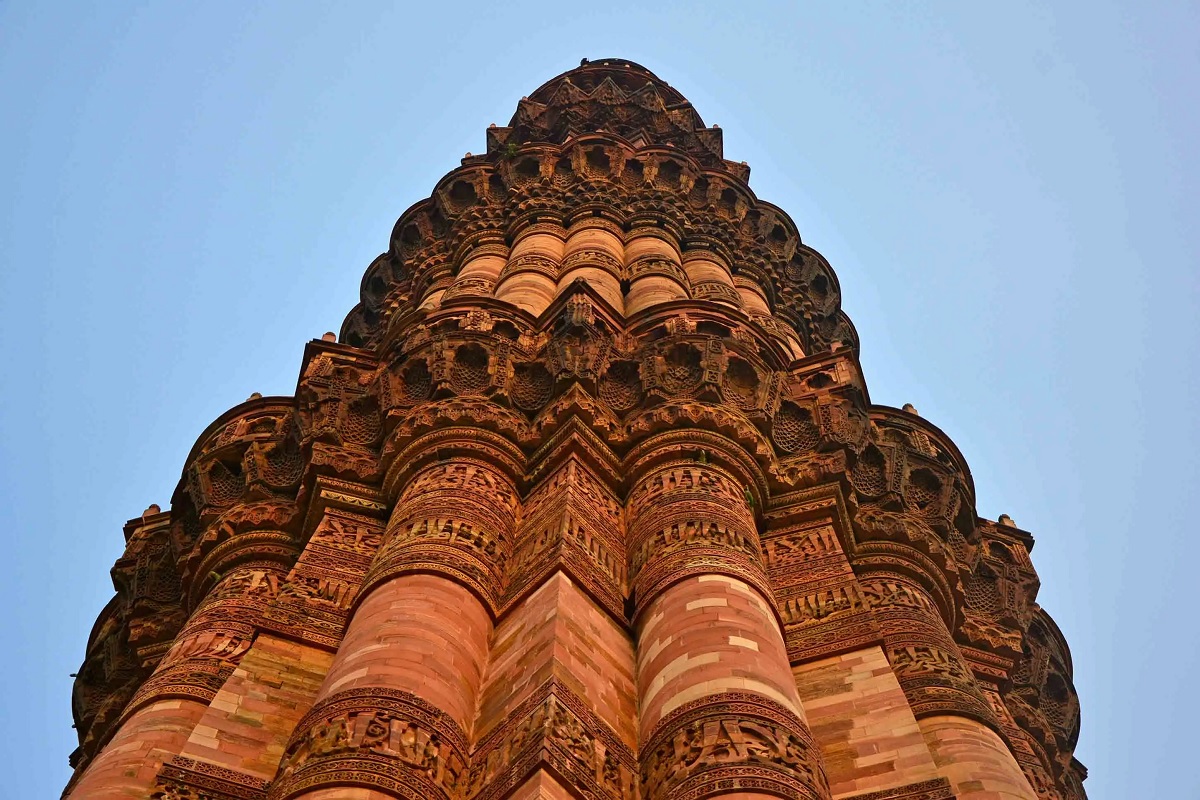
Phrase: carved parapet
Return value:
(131, 633)
(259, 419)
(252, 452)
(1000, 590)
(677, 367)
(1072, 781)
(729, 742)
(818, 422)
(340, 412)
(911, 466)
(106, 681)
(147, 578)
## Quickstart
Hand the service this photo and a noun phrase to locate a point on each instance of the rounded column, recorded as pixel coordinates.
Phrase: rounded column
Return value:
(163, 712)
(393, 716)
(530, 278)
(753, 298)
(479, 272)
(719, 711)
(652, 264)
(594, 252)
(710, 278)
(958, 724)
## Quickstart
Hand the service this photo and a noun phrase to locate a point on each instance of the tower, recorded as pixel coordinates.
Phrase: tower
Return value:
(588, 499)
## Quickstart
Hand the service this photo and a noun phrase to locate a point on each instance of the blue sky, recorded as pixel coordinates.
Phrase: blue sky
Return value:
(192, 191)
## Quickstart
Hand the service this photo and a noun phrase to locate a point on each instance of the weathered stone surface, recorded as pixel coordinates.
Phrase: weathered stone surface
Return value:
(586, 500)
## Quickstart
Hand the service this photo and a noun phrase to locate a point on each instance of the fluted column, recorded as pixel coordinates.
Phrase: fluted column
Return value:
(529, 279)
(957, 722)
(652, 263)
(165, 710)
(394, 714)
(593, 253)
(719, 711)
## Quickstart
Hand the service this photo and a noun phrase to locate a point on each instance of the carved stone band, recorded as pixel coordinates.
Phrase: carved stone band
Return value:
(936, 789)
(386, 739)
(731, 741)
(188, 779)
(454, 519)
(553, 728)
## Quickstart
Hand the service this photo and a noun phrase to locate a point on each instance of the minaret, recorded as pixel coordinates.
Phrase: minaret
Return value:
(588, 499)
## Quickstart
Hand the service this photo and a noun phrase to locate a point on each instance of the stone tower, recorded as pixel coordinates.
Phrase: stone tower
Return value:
(587, 500)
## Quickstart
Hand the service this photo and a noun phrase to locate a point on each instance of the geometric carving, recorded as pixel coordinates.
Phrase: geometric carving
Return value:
(622, 386)
(315, 597)
(794, 430)
(571, 521)
(690, 519)
(821, 604)
(469, 374)
(927, 662)
(531, 386)
(936, 789)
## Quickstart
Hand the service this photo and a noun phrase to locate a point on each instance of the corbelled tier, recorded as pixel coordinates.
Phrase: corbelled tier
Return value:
(604, 174)
(588, 500)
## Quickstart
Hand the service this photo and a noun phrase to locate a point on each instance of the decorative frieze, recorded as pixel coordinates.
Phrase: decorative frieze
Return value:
(728, 742)
(376, 738)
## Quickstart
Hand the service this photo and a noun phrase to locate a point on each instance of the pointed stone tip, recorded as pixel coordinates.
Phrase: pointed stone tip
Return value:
(254, 396)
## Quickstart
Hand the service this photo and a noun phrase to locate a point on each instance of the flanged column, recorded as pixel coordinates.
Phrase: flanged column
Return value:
(394, 714)
(164, 711)
(529, 280)
(719, 711)
(958, 724)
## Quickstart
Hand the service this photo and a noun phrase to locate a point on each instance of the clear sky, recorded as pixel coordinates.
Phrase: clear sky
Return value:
(190, 191)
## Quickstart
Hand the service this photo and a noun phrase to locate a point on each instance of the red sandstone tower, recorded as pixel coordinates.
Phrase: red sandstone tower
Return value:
(588, 500)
